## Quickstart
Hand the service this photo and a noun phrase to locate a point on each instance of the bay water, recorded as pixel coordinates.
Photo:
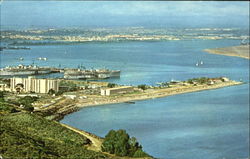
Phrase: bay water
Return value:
(200, 125)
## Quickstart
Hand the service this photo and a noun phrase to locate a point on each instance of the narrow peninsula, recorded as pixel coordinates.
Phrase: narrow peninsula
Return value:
(239, 51)
(109, 93)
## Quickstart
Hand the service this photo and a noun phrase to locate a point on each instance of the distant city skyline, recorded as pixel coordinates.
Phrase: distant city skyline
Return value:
(123, 14)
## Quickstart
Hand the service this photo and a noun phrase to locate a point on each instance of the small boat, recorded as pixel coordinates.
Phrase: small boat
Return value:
(197, 64)
(130, 102)
(21, 59)
(201, 62)
(42, 58)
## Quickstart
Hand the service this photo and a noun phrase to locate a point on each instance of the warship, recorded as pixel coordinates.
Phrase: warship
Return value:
(90, 74)
(26, 70)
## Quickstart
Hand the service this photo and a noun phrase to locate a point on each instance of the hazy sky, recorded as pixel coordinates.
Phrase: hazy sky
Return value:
(125, 13)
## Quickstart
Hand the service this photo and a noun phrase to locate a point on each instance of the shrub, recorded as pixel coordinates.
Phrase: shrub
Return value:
(60, 92)
(140, 153)
(111, 85)
(6, 108)
(27, 102)
(142, 86)
(1, 94)
(51, 91)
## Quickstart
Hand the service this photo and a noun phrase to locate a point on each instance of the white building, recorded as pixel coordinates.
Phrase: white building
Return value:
(117, 90)
(31, 84)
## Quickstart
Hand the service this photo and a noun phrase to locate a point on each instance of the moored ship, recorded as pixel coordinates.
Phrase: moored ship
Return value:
(21, 70)
(91, 74)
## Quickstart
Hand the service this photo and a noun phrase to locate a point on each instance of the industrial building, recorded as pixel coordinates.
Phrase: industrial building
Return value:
(32, 84)
(117, 90)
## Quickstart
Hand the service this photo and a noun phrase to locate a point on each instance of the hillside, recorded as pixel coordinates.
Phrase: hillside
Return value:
(27, 135)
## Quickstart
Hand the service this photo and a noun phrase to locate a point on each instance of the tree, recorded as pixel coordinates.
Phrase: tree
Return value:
(111, 85)
(119, 143)
(142, 86)
(116, 142)
(1, 94)
(190, 81)
(140, 153)
(27, 102)
(51, 91)
(134, 146)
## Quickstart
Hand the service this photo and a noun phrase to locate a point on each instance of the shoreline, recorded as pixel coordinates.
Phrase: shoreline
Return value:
(165, 92)
(145, 95)
(241, 51)
(64, 107)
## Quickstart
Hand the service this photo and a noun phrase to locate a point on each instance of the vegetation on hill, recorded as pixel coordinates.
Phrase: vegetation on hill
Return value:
(119, 143)
(36, 137)
(25, 134)
(5, 108)
(26, 102)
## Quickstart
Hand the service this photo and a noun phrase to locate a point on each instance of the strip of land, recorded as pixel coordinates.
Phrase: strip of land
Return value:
(239, 51)
(78, 142)
(151, 94)
(66, 106)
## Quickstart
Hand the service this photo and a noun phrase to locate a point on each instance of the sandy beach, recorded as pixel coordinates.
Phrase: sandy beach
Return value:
(239, 51)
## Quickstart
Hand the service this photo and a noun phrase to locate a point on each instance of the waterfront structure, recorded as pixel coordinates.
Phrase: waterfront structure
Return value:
(31, 84)
(117, 90)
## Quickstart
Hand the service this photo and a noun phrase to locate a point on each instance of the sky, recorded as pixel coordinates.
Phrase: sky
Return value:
(125, 13)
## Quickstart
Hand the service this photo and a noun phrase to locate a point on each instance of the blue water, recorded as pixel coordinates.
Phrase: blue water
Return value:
(140, 62)
(202, 125)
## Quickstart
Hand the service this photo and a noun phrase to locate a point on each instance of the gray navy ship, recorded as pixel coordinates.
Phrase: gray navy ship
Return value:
(26, 70)
(90, 74)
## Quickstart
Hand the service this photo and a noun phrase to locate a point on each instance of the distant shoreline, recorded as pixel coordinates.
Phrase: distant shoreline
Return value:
(238, 51)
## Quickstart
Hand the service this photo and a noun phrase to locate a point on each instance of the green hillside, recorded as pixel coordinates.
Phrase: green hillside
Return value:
(27, 135)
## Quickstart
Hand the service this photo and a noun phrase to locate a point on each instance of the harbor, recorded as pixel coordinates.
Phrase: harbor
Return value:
(27, 70)
(68, 73)
(124, 80)
(90, 74)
